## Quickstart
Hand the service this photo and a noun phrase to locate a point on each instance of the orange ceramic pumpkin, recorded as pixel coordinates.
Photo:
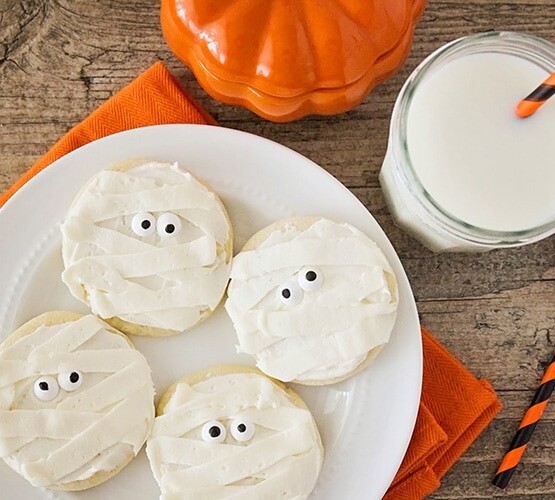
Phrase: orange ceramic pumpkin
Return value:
(284, 59)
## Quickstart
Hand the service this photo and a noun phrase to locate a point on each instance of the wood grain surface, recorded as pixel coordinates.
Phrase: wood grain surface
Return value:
(60, 59)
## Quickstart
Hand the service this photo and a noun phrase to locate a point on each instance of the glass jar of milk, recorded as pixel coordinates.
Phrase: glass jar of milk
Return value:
(462, 172)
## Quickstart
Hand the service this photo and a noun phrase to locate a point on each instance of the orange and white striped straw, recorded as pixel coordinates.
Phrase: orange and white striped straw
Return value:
(529, 105)
(526, 427)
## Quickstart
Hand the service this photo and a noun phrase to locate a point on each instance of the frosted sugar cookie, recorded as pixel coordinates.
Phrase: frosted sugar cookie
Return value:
(148, 248)
(312, 300)
(76, 401)
(231, 432)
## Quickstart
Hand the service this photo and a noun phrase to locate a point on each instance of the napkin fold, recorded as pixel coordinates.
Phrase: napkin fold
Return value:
(455, 406)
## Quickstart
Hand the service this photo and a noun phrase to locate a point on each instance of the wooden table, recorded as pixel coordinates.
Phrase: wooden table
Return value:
(60, 59)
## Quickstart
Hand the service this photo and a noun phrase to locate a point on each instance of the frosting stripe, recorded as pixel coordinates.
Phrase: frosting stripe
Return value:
(116, 387)
(294, 476)
(14, 371)
(248, 462)
(92, 360)
(306, 252)
(252, 344)
(290, 324)
(88, 362)
(249, 293)
(189, 452)
(370, 281)
(182, 395)
(330, 352)
(11, 445)
(110, 304)
(48, 423)
(116, 182)
(277, 419)
(160, 199)
(212, 493)
(69, 338)
(84, 447)
(78, 230)
(201, 252)
(214, 225)
(97, 361)
(22, 346)
(197, 412)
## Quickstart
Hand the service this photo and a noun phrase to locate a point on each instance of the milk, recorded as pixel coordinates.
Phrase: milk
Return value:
(462, 172)
(477, 160)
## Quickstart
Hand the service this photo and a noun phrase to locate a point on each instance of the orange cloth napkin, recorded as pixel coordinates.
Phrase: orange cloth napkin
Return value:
(455, 406)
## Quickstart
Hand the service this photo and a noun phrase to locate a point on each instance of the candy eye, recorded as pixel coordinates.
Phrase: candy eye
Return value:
(290, 293)
(70, 381)
(213, 432)
(143, 224)
(242, 429)
(310, 279)
(168, 225)
(46, 388)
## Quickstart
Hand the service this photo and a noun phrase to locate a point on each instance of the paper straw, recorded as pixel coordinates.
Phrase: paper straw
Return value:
(537, 98)
(526, 427)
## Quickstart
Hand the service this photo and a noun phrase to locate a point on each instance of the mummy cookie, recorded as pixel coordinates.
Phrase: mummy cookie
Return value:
(313, 301)
(76, 401)
(148, 248)
(231, 432)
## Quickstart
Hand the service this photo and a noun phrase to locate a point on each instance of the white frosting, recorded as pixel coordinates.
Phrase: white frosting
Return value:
(328, 331)
(78, 433)
(158, 280)
(281, 460)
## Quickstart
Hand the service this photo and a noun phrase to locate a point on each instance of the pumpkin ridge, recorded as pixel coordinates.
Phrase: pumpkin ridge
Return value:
(339, 5)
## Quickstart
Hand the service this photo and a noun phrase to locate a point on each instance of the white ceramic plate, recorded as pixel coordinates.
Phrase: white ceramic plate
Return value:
(366, 422)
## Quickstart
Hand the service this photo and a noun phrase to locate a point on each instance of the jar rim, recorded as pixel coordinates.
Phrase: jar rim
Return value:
(535, 49)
